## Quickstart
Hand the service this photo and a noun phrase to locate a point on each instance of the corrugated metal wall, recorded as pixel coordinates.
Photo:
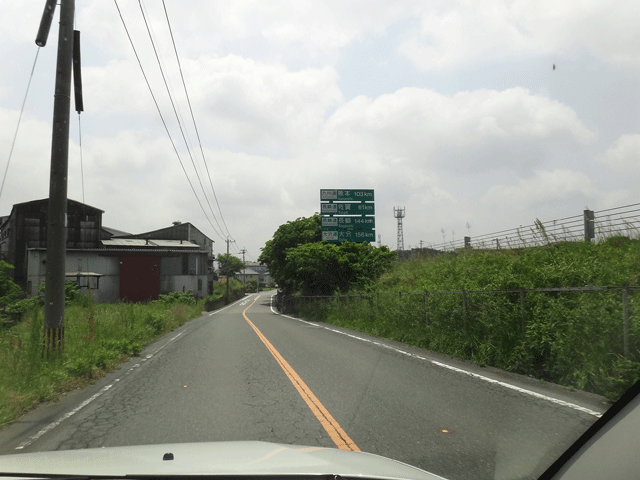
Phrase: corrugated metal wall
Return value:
(139, 277)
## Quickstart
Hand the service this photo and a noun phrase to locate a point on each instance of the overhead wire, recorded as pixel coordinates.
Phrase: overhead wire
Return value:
(193, 118)
(173, 105)
(15, 135)
(162, 118)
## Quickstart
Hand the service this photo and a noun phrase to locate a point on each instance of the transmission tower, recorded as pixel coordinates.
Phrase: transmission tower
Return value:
(399, 214)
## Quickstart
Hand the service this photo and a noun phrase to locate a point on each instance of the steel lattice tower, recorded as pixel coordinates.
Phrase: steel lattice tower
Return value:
(399, 214)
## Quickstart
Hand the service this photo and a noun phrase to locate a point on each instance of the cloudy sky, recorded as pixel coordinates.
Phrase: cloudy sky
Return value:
(450, 109)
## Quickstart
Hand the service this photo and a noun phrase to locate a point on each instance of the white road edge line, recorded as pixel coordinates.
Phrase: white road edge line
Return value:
(452, 368)
(224, 308)
(53, 425)
(70, 413)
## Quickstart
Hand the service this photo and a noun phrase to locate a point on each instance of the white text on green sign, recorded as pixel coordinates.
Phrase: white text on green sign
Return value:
(348, 222)
(349, 236)
(346, 195)
(349, 208)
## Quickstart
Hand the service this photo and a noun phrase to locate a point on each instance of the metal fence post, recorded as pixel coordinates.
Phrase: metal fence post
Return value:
(589, 225)
(625, 320)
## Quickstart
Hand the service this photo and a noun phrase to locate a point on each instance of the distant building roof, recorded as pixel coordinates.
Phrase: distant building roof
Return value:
(46, 200)
(114, 232)
(149, 243)
(248, 271)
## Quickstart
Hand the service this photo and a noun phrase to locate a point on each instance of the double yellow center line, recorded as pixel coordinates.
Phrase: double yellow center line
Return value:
(335, 431)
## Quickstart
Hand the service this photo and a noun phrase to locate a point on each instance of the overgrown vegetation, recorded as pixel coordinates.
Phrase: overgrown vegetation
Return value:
(300, 262)
(219, 296)
(571, 338)
(121, 329)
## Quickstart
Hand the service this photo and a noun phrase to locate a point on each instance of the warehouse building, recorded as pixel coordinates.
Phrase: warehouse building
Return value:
(116, 265)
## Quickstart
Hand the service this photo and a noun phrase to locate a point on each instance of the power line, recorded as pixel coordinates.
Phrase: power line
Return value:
(15, 135)
(173, 106)
(162, 118)
(193, 118)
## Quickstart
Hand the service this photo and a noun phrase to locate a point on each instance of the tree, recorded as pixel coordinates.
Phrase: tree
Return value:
(228, 265)
(299, 260)
(252, 285)
(289, 235)
(323, 268)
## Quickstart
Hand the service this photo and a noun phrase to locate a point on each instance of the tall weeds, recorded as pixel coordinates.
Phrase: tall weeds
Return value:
(571, 338)
(121, 330)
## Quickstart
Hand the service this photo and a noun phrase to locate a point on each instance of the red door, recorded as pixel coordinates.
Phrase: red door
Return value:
(139, 278)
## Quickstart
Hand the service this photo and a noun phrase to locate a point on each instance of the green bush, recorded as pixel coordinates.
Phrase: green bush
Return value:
(156, 322)
(186, 298)
(15, 311)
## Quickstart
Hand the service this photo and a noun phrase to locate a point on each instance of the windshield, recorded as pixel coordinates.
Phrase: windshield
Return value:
(404, 228)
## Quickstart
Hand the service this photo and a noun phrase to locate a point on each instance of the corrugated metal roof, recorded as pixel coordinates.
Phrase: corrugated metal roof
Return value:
(151, 243)
(175, 243)
(120, 250)
(83, 274)
(125, 242)
(114, 231)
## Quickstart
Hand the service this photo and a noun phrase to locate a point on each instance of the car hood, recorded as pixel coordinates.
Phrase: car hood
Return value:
(215, 458)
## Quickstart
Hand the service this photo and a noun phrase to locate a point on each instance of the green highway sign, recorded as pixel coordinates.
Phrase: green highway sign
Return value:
(344, 195)
(347, 208)
(361, 223)
(349, 236)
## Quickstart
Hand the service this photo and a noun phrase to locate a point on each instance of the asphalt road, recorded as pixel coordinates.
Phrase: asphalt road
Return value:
(247, 373)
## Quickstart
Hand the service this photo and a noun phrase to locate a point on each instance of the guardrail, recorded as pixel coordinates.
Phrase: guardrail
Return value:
(590, 225)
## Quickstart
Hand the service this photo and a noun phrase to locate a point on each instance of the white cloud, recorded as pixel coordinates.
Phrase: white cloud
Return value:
(28, 173)
(474, 131)
(543, 187)
(458, 33)
(265, 83)
(623, 155)
(235, 99)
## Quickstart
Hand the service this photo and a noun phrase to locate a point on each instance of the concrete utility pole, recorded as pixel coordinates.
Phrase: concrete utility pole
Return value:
(57, 211)
(228, 241)
(244, 268)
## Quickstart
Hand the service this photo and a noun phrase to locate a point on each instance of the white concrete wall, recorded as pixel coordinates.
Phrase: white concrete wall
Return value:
(108, 286)
(183, 283)
(108, 290)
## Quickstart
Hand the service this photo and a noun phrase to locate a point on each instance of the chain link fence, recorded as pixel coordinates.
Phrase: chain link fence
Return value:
(563, 323)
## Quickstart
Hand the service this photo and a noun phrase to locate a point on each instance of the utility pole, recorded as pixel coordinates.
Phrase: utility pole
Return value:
(57, 210)
(228, 241)
(244, 268)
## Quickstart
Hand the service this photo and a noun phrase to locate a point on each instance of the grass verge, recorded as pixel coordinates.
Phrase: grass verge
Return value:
(121, 330)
